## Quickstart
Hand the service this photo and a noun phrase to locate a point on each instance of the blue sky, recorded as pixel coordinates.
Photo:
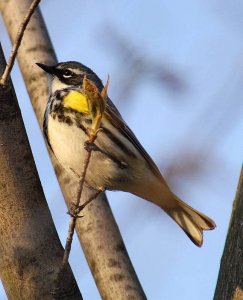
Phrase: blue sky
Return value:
(201, 42)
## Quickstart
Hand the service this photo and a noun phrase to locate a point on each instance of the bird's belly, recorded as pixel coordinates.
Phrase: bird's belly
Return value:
(67, 142)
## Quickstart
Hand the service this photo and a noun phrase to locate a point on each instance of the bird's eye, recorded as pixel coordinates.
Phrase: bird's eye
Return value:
(67, 74)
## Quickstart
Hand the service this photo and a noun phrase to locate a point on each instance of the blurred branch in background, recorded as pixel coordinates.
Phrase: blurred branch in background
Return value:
(137, 66)
(196, 156)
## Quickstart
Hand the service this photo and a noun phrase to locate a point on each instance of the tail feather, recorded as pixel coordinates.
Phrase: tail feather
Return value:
(190, 220)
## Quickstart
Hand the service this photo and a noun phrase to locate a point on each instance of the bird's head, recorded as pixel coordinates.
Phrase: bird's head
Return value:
(67, 74)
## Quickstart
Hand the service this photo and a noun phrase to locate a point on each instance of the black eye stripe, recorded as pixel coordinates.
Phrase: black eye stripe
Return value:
(61, 73)
(70, 77)
(67, 73)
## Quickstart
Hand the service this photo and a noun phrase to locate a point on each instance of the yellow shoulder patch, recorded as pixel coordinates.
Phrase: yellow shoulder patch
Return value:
(76, 101)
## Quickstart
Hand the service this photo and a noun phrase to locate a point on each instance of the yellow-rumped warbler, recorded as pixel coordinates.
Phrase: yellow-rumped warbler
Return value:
(119, 161)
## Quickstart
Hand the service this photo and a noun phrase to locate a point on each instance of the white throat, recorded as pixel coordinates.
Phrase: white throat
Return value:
(57, 85)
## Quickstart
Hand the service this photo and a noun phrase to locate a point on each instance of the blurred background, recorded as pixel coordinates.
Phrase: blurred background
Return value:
(176, 76)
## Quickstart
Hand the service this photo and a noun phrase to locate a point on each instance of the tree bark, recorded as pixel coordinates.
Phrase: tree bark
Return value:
(230, 279)
(97, 231)
(30, 250)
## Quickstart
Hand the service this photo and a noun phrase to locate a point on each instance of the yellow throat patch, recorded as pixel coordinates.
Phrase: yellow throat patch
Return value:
(76, 101)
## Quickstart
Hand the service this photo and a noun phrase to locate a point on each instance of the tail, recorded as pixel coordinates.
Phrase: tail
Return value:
(189, 219)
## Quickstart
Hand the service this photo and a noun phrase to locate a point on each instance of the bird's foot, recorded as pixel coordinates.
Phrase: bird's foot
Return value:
(90, 146)
(74, 210)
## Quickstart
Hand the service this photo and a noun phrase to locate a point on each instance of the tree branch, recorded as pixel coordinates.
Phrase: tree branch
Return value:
(96, 103)
(230, 279)
(97, 231)
(17, 42)
(30, 250)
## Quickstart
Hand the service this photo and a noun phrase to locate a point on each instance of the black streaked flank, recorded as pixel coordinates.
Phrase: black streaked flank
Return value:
(45, 123)
(120, 164)
(45, 131)
(88, 121)
(118, 142)
(65, 119)
(58, 95)
(81, 126)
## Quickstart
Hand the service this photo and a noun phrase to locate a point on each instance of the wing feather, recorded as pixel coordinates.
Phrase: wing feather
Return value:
(116, 119)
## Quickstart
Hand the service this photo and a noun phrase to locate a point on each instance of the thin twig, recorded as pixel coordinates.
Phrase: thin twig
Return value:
(96, 102)
(81, 207)
(74, 215)
(72, 225)
(17, 43)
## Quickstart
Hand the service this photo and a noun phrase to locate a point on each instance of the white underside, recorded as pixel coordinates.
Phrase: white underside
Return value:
(67, 143)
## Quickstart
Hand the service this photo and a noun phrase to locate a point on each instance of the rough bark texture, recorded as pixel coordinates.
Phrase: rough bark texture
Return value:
(230, 280)
(30, 250)
(97, 231)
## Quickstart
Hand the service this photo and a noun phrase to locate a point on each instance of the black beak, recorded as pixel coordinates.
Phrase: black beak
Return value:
(47, 69)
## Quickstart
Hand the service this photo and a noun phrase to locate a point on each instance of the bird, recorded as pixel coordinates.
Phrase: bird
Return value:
(119, 162)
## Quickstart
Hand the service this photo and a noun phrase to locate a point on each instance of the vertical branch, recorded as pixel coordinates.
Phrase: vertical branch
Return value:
(230, 279)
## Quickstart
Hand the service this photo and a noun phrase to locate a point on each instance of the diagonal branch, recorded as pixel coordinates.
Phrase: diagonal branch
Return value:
(98, 232)
(17, 42)
(96, 103)
(30, 250)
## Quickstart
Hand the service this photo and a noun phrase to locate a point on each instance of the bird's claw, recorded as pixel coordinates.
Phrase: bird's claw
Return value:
(90, 146)
(75, 210)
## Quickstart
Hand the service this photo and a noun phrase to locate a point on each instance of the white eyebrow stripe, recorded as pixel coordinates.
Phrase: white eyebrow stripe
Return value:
(76, 71)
